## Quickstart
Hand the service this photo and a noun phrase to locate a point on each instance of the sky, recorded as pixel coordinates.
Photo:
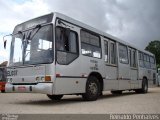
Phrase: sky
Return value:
(133, 21)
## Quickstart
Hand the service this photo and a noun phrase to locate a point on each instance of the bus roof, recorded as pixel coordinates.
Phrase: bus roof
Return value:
(48, 18)
(104, 34)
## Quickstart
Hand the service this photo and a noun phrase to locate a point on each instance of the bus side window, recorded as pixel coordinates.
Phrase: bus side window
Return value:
(133, 58)
(141, 59)
(67, 48)
(106, 51)
(145, 60)
(134, 63)
(91, 45)
(130, 57)
(123, 54)
(148, 62)
(152, 62)
(112, 53)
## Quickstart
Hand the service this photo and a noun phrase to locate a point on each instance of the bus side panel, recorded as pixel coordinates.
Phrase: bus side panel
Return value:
(69, 78)
(74, 76)
(70, 85)
(152, 82)
(134, 81)
(124, 85)
(111, 82)
(149, 74)
(124, 76)
(142, 73)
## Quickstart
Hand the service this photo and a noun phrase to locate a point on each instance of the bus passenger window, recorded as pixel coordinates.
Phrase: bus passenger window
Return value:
(133, 58)
(112, 53)
(145, 60)
(152, 62)
(123, 54)
(106, 51)
(90, 44)
(141, 59)
(134, 63)
(148, 62)
(67, 47)
(130, 56)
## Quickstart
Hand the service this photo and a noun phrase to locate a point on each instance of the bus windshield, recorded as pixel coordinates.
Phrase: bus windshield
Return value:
(33, 46)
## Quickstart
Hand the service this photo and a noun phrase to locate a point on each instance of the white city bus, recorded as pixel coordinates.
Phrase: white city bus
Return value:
(57, 55)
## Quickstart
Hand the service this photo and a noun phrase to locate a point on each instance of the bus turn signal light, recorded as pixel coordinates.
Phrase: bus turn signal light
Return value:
(47, 78)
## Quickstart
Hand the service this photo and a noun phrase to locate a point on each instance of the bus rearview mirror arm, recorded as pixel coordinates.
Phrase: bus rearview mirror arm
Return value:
(5, 41)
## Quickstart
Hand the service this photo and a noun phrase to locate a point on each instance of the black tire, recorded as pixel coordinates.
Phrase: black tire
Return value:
(2, 91)
(92, 89)
(138, 91)
(144, 88)
(55, 97)
(118, 92)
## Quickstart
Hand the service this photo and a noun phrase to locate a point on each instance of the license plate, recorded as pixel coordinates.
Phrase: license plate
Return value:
(22, 88)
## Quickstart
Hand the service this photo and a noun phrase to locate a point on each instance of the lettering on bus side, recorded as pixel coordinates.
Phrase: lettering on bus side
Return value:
(12, 73)
(95, 67)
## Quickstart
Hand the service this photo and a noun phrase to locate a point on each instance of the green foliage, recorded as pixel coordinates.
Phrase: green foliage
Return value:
(158, 65)
(154, 47)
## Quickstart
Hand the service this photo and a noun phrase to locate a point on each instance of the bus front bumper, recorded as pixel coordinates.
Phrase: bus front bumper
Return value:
(44, 88)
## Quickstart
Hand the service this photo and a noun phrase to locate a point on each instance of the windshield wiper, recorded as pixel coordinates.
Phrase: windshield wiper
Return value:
(29, 37)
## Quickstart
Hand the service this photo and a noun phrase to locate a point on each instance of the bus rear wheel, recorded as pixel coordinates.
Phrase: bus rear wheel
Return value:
(92, 89)
(55, 97)
(3, 91)
(144, 88)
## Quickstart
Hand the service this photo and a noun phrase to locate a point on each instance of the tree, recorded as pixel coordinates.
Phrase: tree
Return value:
(154, 47)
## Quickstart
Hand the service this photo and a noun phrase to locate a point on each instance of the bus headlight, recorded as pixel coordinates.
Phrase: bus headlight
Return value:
(43, 79)
(37, 79)
(47, 78)
(9, 80)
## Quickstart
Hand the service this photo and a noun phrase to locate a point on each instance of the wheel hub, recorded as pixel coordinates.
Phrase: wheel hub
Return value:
(93, 88)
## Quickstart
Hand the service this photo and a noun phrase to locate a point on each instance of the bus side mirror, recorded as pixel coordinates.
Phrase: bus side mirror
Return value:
(5, 43)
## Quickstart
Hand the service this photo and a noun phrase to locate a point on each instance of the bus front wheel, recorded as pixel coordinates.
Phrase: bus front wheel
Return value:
(92, 89)
(55, 97)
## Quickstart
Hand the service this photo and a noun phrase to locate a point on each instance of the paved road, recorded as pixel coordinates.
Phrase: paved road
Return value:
(19, 103)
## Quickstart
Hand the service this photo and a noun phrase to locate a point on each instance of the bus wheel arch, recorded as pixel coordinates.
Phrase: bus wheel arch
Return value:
(94, 87)
(100, 79)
